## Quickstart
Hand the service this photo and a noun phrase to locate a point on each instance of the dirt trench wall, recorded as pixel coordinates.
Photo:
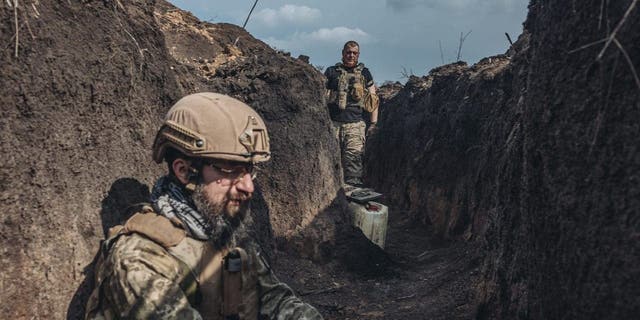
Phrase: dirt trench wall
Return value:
(578, 220)
(540, 162)
(431, 149)
(80, 106)
(81, 103)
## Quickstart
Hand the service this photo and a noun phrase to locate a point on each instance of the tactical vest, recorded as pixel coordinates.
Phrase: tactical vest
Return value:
(351, 87)
(220, 284)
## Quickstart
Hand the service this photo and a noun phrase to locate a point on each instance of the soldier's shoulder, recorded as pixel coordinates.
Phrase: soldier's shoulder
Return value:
(135, 245)
(167, 232)
(367, 73)
(135, 252)
(331, 70)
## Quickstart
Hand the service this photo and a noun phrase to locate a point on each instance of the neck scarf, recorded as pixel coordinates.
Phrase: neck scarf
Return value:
(170, 199)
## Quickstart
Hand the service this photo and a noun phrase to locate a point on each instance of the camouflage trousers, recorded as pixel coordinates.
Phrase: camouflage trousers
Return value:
(351, 137)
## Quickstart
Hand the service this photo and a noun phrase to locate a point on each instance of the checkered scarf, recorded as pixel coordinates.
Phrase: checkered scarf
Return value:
(170, 199)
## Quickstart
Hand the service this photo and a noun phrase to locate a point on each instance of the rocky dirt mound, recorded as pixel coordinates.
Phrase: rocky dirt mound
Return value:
(84, 87)
(534, 155)
(387, 91)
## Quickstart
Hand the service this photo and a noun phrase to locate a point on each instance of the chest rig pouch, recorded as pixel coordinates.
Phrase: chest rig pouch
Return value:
(351, 87)
(239, 286)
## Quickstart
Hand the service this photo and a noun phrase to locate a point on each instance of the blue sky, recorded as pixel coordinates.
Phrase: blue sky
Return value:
(395, 36)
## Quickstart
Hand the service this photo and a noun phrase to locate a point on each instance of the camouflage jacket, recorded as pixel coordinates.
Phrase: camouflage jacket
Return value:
(178, 277)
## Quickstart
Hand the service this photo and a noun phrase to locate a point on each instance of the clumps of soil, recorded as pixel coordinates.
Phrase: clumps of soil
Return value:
(388, 90)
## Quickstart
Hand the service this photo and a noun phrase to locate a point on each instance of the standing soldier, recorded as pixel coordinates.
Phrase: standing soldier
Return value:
(350, 91)
(187, 254)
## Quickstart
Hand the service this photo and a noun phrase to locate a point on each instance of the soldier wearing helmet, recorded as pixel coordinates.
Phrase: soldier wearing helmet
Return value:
(350, 92)
(187, 254)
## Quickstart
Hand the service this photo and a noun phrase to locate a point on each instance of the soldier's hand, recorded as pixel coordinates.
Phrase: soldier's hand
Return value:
(373, 127)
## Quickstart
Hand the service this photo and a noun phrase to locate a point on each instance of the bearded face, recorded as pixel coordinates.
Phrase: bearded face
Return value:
(224, 215)
(230, 209)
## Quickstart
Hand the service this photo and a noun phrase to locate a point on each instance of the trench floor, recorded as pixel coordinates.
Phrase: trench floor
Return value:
(428, 279)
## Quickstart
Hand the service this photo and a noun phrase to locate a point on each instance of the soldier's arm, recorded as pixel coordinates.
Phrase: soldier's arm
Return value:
(372, 90)
(332, 78)
(374, 113)
(145, 282)
(277, 300)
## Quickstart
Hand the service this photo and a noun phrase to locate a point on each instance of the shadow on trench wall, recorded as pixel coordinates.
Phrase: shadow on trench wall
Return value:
(116, 207)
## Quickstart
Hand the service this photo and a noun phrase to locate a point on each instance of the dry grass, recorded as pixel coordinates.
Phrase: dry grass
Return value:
(629, 62)
(611, 38)
(18, 24)
(602, 6)
(15, 17)
(612, 35)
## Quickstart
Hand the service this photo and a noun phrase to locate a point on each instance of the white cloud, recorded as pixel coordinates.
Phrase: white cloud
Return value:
(290, 14)
(337, 35)
(334, 37)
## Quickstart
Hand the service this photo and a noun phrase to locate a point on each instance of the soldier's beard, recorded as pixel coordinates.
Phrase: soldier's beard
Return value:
(223, 224)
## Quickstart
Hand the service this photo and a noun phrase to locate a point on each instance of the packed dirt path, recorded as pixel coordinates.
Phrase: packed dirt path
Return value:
(425, 279)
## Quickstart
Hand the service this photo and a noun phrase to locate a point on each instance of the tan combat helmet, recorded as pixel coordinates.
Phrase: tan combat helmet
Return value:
(216, 126)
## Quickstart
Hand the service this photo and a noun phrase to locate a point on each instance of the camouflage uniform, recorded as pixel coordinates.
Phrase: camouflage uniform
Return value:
(351, 137)
(140, 279)
(348, 123)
